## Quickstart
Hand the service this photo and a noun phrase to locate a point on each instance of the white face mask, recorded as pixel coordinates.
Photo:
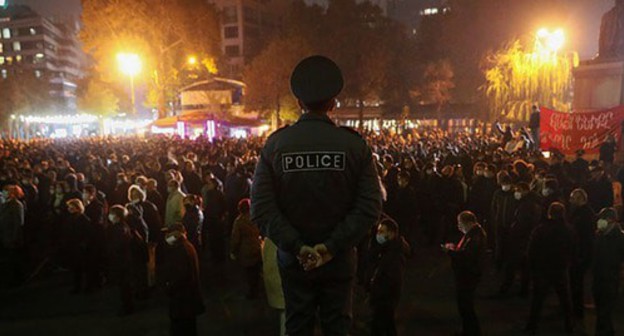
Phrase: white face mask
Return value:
(506, 187)
(171, 240)
(602, 224)
(518, 195)
(546, 192)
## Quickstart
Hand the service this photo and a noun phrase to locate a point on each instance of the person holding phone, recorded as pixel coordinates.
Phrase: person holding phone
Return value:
(467, 262)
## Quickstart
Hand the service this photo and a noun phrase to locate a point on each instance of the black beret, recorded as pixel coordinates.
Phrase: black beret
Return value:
(316, 79)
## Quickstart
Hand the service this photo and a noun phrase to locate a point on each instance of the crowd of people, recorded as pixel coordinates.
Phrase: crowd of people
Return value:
(137, 212)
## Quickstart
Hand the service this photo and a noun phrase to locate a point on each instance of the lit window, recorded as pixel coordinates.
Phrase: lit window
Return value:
(6, 33)
(17, 46)
(33, 31)
(9, 60)
(1, 48)
(18, 58)
(4, 73)
(38, 58)
(38, 73)
(1, 60)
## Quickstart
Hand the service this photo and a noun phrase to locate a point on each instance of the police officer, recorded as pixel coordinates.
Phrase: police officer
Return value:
(316, 194)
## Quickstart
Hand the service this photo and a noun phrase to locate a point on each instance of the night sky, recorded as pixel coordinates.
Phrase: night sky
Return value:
(582, 25)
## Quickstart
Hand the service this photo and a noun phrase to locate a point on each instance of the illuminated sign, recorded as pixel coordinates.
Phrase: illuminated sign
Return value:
(4, 3)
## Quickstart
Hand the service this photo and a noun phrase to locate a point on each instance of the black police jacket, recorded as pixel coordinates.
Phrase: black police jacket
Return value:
(315, 183)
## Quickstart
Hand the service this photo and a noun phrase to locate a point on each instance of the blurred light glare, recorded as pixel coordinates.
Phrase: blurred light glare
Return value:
(129, 64)
(192, 60)
(550, 41)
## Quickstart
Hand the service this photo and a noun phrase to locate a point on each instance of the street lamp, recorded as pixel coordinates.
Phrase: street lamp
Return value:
(130, 65)
(550, 41)
(192, 60)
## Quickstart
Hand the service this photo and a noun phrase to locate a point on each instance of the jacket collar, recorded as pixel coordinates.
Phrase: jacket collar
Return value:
(309, 116)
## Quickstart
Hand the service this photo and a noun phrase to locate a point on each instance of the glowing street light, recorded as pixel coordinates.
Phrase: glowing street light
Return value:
(192, 60)
(130, 65)
(550, 41)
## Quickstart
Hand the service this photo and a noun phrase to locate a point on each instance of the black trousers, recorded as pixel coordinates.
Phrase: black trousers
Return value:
(383, 322)
(15, 264)
(577, 288)
(513, 265)
(466, 308)
(542, 284)
(605, 296)
(326, 291)
(183, 326)
(252, 274)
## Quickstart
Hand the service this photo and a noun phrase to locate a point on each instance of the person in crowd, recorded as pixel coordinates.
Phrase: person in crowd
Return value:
(467, 262)
(526, 218)
(385, 276)
(403, 207)
(551, 193)
(94, 210)
(79, 236)
(316, 213)
(607, 263)
(12, 231)
(214, 218)
(481, 192)
(175, 203)
(534, 125)
(431, 201)
(502, 212)
(452, 202)
(154, 196)
(181, 280)
(390, 172)
(236, 188)
(599, 188)
(579, 169)
(73, 192)
(193, 220)
(120, 192)
(122, 257)
(550, 253)
(583, 224)
(245, 247)
(192, 181)
(607, 151)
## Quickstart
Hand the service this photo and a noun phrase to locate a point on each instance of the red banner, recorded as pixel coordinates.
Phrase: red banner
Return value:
(569, 132)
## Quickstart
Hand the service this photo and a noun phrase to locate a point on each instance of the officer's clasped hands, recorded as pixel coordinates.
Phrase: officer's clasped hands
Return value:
(314, 257)
(308, 258)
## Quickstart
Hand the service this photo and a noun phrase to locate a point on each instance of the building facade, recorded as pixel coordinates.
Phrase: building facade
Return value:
(246, 26)
(48, 49)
